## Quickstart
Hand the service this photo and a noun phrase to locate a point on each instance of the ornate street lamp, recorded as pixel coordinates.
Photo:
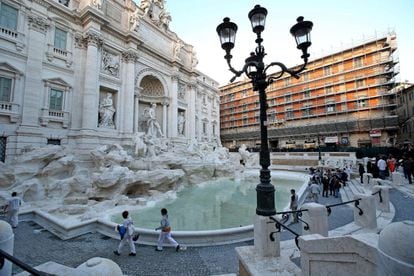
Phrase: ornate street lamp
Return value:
(255, 69)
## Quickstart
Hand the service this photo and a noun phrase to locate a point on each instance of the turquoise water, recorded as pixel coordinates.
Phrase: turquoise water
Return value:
(211, 205)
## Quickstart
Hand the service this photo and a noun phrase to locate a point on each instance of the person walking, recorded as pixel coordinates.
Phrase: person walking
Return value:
(382, 167)
(408, 165)
(126, 232)
(325, 186)
(12, 209)
(361, 170)
(165, 232)
(315, 191)
(294, 204)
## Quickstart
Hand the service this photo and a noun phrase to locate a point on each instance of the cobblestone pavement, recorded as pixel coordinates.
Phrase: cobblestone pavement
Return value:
(35, 246)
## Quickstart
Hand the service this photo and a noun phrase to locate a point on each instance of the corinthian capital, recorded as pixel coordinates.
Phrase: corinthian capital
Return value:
(93, 38)
(37, 22)
(130, 56)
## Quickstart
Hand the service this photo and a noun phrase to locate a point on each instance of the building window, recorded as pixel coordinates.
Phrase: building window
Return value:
(231, 97)
(328, 89)
(307, 111)
(53, 142)
(330, 107)
(64, 2)
(245, 107)
(245, 120)
(214, 129)
(360, 83)
(60, 39)
(327, 70)
(307, 94)
(204, 128)
(358, 62)
(361, 102)
(5, 89)
(257, 117)
(306, 76)
(288, 98)
(287, 81)
(272, 116)
(289, 113)
(3, 143)
(244, 93)
(55, 99)
(8, 17)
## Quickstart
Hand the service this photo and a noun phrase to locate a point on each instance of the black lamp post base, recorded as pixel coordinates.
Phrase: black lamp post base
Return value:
(265, 200)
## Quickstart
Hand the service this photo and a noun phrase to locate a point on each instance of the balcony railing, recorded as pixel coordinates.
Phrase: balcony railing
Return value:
(49, 115)
(11, 110)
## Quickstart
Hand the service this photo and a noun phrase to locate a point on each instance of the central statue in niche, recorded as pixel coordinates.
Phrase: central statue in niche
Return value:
(152, 125)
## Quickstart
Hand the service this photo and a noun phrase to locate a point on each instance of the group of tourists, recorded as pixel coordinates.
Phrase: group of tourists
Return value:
(129, 235)
(382, 167)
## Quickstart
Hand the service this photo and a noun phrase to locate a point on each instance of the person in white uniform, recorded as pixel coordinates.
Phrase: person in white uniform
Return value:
(127, 238)
(165, 232)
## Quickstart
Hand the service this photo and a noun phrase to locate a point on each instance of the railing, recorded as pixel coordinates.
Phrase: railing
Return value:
(4, 255)
(280, 225)
(379, 194)
(328, 207)
(285, 216)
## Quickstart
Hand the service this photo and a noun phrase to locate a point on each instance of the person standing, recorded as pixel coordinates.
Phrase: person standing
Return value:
(361, 172)
(294, 204)
(165, 232)
(315, 191)
(325, 186)
(391, 162)
(382, 167)
(408, 165)
(12, 208)
(127, 235)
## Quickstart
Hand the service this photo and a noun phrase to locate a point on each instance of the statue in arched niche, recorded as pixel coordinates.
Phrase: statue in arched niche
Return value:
(106, 112)
(181, 123)
(153, 127)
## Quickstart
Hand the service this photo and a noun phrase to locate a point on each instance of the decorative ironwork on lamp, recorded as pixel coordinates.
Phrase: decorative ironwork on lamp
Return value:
(255, 69)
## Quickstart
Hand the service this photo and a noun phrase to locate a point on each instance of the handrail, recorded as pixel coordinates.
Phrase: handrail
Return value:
(328, 207)
(26, 267)
(285, 216)
(379, 194)
(278, 226)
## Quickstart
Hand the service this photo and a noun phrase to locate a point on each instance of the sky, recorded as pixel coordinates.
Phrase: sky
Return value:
(338, 24)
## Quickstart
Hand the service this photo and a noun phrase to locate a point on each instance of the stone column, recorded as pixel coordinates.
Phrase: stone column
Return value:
(263, 246)
(136, 112)
(32, 100)
(91, 86)
(369, 217)
(316, 217)
(191, 120)
(129, 58)
(173, 107)
(164, 118)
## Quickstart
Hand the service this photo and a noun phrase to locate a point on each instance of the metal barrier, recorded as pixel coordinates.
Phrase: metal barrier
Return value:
(280, 225)
(4, 255)
(285, 216)
(379, 194)
(328, 207)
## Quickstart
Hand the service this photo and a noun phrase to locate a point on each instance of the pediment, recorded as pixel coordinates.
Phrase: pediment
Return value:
(6, 67)
(57, 81)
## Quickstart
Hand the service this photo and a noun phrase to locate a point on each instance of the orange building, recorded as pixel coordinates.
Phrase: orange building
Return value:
(345, 99)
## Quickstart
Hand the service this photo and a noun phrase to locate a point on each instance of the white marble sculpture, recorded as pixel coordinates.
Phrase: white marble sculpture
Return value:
(140, 148)
(244, 154)
(109, 64)
(181, 123)
(152, 125)
(106, 112)
(177, 48)
(145, 6)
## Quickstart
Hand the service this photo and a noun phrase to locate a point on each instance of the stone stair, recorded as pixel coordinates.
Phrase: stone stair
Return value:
(352, 187)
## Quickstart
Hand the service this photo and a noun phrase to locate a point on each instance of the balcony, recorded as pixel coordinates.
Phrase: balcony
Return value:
(60, 54)
(13, 36)
(10, 110)
(54, 116)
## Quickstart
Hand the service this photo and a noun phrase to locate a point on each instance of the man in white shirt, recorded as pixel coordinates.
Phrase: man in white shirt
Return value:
(12, 208)
(382, 167)
(315, 191)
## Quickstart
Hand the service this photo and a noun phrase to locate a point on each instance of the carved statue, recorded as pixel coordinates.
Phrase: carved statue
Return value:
(181, 123)
(149, 142)
(97, 3)
(139, 144)
(109, 65)
(153, 127)
(159, 3)
(134, 20)
(165, 19)
(194, 60)
(244, 154)
(145, 6)
(106, 112)
(177, 48)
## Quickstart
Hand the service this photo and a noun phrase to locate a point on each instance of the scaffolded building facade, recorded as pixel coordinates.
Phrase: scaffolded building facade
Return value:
(344, 99)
